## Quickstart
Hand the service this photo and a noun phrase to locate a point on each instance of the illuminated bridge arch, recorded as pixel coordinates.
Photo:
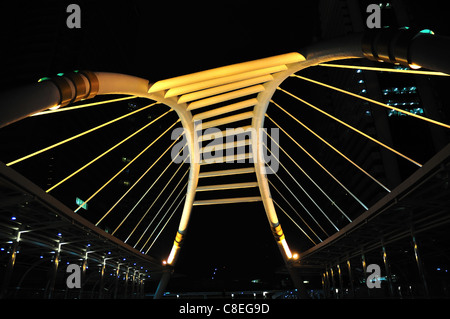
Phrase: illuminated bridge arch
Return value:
(245, 91)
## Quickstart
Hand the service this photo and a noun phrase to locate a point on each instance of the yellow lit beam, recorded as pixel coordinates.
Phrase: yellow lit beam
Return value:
(352, 128)
(139, 179)
(117, 174)
(298, 184)
(162, 229)
(333, 203)
(78, 135)
(161, 207)
(149, 208)
(368, 68)
(332, 147)
(296, 223)
(76, 107)
(228, 70)
(104, 153)
(372, 101)
(318, 163)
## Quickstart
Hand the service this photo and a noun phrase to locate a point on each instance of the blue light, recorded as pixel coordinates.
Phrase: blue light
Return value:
(13, 218)
(438, 268)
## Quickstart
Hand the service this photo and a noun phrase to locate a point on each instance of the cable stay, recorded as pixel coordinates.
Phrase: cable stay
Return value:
(306, 193)
(159, 211)
(159, 195)
(145, 194)
(104, 153)
(373, 101)
(128, 164)
(352, 128)
(162, 218)
(162, 229)
(294, 222)
(295, 211)
(79, 135)
(139, 179)
(333, 148)
(77, 107)
(301, 204)
(333, 203)
(318, 163)
(369, 68)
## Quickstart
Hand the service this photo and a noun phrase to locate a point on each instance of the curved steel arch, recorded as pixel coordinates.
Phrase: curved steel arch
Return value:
(261, 77)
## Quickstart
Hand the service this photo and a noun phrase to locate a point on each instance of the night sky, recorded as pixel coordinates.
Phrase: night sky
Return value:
(157, 42)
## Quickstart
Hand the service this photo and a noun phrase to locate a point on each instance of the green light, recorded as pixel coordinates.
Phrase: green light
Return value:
(43, 79)
(60, 74)
(427, 31)
(81, 202)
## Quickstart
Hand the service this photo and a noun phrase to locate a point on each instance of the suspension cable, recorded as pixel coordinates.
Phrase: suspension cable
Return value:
(333, 203)
(159, 195)
(79, 135)
(295, 211)
(372, 101)
(294, 222)
(77, 107)
(120, 171)
(298, 184)
(352, 128)
(104, 153)
(137, 181)
(303, 206)
(318, 163)
(143, 196)
(368, 68)
(162, 229)
(333, 148)
(160, 209)
(162, 218)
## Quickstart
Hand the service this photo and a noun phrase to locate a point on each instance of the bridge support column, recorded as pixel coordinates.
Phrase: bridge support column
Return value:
(53, 272)
(364, 265)
(163, 282)
(116, 282)
(387, 267)
(420, 265)
(341, 284)
(350, 279)
(333, 282)
(327, 284)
